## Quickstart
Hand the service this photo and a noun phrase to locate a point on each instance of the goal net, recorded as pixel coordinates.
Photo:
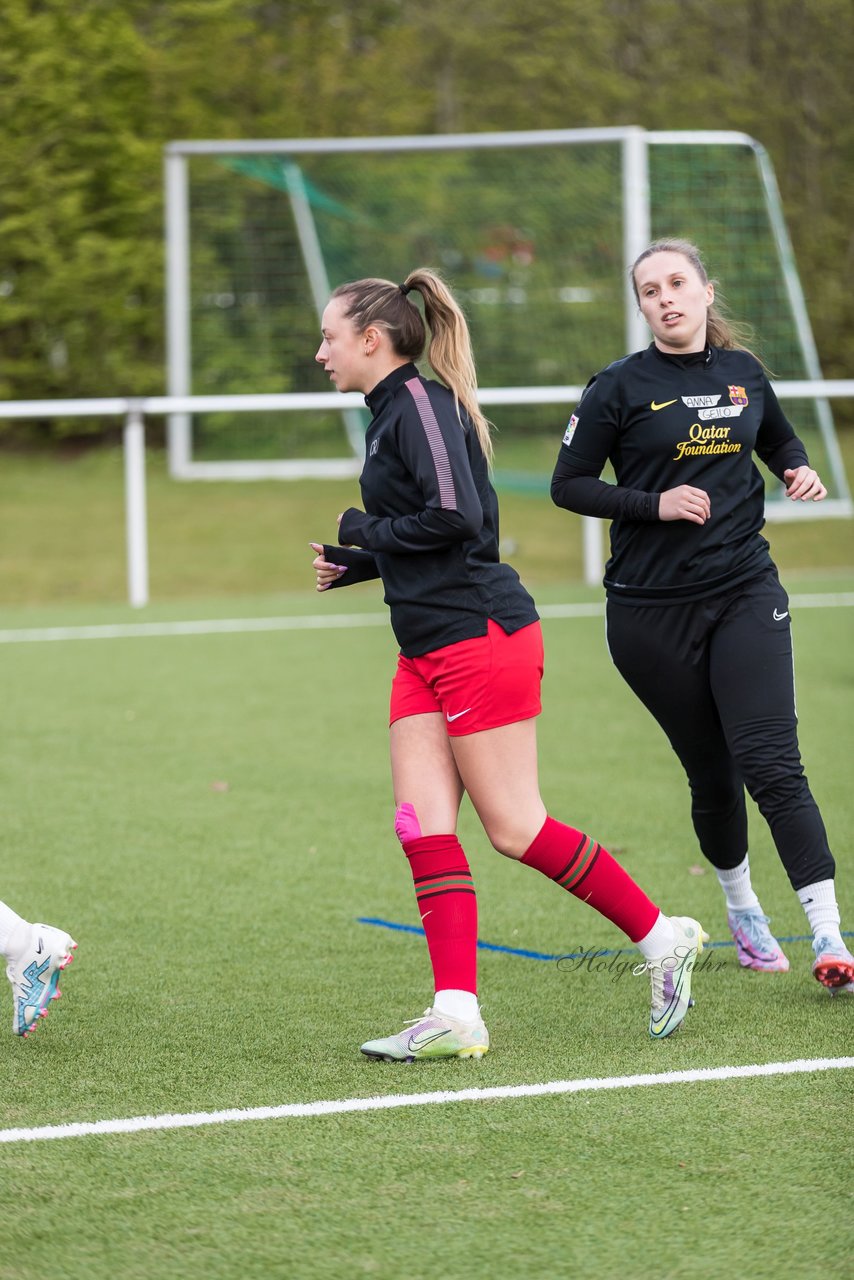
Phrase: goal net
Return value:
(534, 233)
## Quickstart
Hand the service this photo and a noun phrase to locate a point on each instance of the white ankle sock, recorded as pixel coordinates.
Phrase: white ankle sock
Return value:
(736, 885)
(456, 1004)
(819, 902)
(11, 925)
(659, 940)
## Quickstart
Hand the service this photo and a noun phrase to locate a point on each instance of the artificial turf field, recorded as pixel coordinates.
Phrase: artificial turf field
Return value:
(211, 816)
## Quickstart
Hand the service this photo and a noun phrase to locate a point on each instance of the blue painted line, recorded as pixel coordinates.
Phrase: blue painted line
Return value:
(389, 924)
(544, 955)
(482, 946)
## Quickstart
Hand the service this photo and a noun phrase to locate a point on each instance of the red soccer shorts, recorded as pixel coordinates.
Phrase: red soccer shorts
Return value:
(475, 684)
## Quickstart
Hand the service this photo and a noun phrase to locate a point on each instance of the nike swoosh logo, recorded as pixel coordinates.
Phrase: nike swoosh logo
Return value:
(451, 718)
(655, 407)
(421, 1042)
(40, 947)
(778, 617)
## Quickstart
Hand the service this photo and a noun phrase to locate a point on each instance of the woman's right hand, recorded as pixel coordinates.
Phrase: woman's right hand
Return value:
(685, 503)
(327, 573)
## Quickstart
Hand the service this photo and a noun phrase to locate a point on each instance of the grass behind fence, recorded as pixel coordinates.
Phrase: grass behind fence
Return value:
(62, 531)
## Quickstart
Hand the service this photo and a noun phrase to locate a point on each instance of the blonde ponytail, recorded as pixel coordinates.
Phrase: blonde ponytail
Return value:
(450, 352)
(381, 302)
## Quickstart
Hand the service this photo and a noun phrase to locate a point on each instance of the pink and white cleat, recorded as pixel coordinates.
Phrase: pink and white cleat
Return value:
(34, 975)
(755, 944)
(833, 966)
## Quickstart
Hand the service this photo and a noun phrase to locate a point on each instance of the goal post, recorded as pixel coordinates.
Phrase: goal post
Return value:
(535, 232)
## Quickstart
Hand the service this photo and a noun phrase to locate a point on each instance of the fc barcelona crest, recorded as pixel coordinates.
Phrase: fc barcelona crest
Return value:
(737, 395)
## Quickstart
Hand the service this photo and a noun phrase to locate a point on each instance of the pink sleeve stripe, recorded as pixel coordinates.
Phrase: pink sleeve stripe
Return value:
(438, 451)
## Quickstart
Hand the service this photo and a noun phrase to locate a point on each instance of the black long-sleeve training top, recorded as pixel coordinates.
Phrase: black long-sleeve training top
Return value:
(664, 421)
(430, 524)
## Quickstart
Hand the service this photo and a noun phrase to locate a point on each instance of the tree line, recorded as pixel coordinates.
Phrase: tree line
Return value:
(92, 92)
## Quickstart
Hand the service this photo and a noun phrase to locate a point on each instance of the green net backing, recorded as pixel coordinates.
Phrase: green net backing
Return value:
(530, 239)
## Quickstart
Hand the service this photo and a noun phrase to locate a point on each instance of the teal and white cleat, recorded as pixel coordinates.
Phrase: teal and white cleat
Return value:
(34, 975)
(670, 976)
(429, 1038)
(833, 966)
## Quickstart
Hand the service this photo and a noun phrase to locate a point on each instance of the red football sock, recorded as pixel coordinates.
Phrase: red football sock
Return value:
(448, 907)
(586, 870)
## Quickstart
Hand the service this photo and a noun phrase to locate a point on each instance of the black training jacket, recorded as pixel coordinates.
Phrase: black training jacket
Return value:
(663, 421)
(430, 524)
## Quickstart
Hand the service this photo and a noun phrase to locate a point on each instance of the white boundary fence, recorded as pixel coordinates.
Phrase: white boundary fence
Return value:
(134, 410)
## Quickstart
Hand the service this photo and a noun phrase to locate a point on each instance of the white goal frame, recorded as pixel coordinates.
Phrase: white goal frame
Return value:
(634, 144)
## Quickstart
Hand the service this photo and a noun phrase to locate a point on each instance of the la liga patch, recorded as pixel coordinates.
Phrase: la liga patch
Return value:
(570, 430)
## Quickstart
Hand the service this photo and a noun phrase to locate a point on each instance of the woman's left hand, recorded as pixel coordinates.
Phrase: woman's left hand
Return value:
(804, 483)
(326, 571)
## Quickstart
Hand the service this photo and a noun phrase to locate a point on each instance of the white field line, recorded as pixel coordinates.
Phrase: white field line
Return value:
(205, 627)
(316, 622)
(388, 1102)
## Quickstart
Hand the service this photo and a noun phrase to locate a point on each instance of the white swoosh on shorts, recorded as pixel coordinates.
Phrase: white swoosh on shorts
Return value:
(451, 718)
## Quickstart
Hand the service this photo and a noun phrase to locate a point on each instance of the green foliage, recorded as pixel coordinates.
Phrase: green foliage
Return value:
(93, 91)
(80, 256)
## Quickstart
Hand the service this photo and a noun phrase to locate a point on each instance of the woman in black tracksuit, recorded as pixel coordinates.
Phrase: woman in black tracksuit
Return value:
(697, 621)
(466, 692)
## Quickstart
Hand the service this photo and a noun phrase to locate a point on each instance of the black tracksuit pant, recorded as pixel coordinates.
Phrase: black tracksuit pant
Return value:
(718, 676)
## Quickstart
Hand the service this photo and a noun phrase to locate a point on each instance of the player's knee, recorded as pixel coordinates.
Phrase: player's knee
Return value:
(716, 790)
(509, 840)
(778, 790)
(406, 824)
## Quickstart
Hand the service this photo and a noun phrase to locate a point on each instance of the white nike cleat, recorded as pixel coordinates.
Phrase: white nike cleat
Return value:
(34, 975)
(670, 976)
(432, 1036)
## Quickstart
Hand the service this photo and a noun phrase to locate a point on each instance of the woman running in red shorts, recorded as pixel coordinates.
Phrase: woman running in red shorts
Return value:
(466, 693)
